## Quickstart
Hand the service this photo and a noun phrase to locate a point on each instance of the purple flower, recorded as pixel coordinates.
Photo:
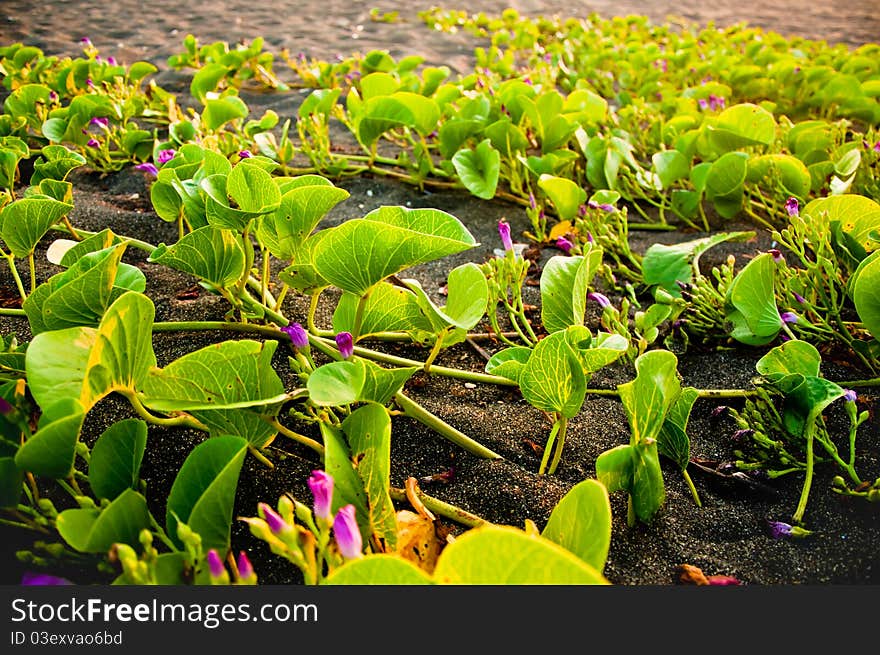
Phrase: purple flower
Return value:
(348, 536)
(606, 207)
(788, 317)
(590, 237)
(92, 143)
(703, 103)
(29, 579)
(564, 245)
(662, 64)
(777, 255)
(111, 61)
(792, 206)
(532, 203)
(719, 411)
(149, 168)
(100, 121)
(603, 301)
(165, 156)
(276, 524)
(297, 335)
(245, 569)
(86, 41)
(799, 297)
(89, 82)
(739, 435)
(321, 485)
(244, 154)
(345, 343)
(582, 210)
(716, 102)
(877, 147)
(215, 564)
(779, 530)
(849, 395)
(504, 231)
(53, 97)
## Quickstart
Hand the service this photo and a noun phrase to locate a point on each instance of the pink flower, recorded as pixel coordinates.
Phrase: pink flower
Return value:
(347, 534)
(165, 156)
(321, 485)
(564, 245)
(345, 343)
(147, 167)
(504, 232)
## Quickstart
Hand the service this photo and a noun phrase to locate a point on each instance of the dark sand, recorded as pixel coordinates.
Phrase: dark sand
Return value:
(727, 536)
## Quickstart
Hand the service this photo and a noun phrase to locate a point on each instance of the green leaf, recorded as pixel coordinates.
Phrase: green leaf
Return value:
(203, 492)
(648, 398)
(509, 363)
(219, 111)
(670, 166)
(368, 430)
(210, 253)
(86, 364)
(115, 462)
(468, 296)
(299, 213)
(751, 303)
(602, 351)
(245, 423)
(25, 221)
(361, 252)
(478, 169)
(792, 174)
(11, 477)
(337, 383)
(253, 189)
(857, 215)
(378, 569)
(552, 378)
(206, 79)
(581, 523)
(51, 450)
(501, 555)
(565, 282)
(388, 308)
(663, 265)
(566, 196)
(672, 441)
(866, 294)
(226, 375)
(96, 530)
(743, 125)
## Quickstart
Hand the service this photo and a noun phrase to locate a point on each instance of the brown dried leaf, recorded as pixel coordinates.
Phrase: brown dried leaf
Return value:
(417, 540)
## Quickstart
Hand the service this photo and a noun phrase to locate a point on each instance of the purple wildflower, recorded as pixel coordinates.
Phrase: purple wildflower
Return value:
(345, 530)
(29, 579)
(245, 154)
(297, 335)
(603, 301)
(215, 564)
(532, 203)
(799, 297)
(564, 245)
(703, 103)
(111, 61)
(93, 143)
(849, 395)
(777, 255)
(590, 238)
(321, 485)
(788, 317)
(86, 41)
(504, 232)
(53, 96)
(345, 343)
(719, 411)
(877, 147)
(165, 156)
(739, 435)
(606, 207)
(716, 102)
(100, 121)
(792, 206)
(276, 524)
(148, 168)
(89, 83)
(582, 210)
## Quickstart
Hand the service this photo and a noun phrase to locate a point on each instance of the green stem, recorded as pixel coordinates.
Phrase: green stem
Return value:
(195, 326)
(810, 431)
(296, 436)
(422, 415)
(359, 316)
(560, 444)
(9, 311)
(438, 346)
(548, 447)
(10, 259)
(33, 271)
(183, 421)
(313, 308)
(260, 457)
(82, 234)
(851, 384)
(690, 484)
(163, 536)
(441, 508)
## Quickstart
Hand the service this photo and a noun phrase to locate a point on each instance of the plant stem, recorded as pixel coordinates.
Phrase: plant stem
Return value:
(296, 436)
(183, 421)
(260, 457)
(10, 259)
(422, 415)
(160, 532)
(441, 508)
(560, 444)
(690, 484)
(10, 311)
(810, 431)
(194, 326)
(551, 438)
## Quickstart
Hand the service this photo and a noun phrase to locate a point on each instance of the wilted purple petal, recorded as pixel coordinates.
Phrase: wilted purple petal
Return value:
(276, 524)
(799, 297)
(100, 121)
(849, 395)
(345, 343)
(346, 532)
(779, 530)
(719, 411)
(149, 168)
(532, 203)
(739, 435)
(504, 232)
(297, 335)
(165, 156)
(607, 207)
(92, 143)
(777, 255)
(29, 579)
(788, 317)
(321, 485)
(564, 245)
(792, 206)
(89, 82)
(599, 298)
(53, 96)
